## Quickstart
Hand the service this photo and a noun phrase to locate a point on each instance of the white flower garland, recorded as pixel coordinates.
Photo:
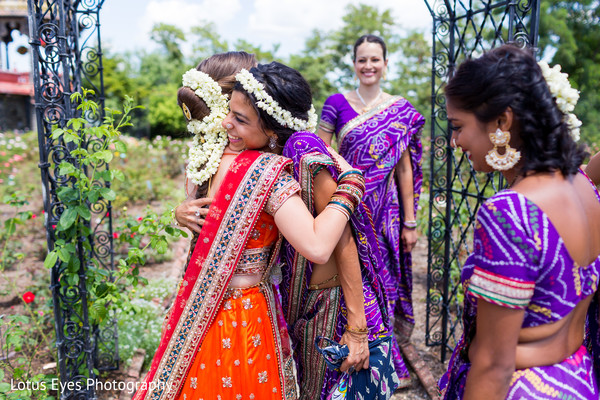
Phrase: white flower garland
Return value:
(268, 104)
(210, 138)
(566, 96)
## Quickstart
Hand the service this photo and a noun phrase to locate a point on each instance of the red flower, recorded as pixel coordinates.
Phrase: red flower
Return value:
(28, 297)
(33, 216)
(115, 235)
(133, 234)
(53, 226)
(108, 214)
(140, 218)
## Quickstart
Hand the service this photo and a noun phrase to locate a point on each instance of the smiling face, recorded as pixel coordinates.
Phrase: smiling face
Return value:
(471, 135)
(369, 63)
(246, 131)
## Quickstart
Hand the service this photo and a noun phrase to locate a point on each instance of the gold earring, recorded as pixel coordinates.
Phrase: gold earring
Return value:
(502, 162)
(186, 111)
(384, 75)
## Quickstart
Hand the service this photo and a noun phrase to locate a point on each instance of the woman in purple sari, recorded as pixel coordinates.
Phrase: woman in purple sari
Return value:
(531, 301)
(333, 299)
(380, 134)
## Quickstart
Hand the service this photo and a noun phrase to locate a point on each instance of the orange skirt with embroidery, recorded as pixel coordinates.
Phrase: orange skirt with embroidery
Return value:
(237, 359)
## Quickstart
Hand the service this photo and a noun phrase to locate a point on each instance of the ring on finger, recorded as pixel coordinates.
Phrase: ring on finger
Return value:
(197, 213)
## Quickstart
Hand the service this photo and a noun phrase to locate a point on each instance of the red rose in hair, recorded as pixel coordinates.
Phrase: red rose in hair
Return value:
(28, 297)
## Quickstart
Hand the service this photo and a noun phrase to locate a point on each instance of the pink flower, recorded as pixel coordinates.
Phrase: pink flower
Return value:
(115, 235)
(3, 153)
(53, 226)
(33, 216)
(108, 214)
(133, 234)
(28, 297)
(140, 218)
(7, 164)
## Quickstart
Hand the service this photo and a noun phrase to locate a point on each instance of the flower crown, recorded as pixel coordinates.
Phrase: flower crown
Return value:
(210, 137)
(268, 104)
(566, 96)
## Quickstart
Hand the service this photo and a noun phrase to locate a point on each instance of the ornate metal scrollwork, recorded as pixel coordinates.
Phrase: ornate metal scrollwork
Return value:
(460, 29)
(67, 55)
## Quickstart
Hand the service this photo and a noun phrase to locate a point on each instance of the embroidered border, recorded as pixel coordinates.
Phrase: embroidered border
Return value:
(253, 261)
(211, 284)
(298, 277)
(280, 195)
(362, 118)
(500, 290)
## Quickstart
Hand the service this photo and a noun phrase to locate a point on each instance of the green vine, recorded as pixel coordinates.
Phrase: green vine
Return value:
(90, 184)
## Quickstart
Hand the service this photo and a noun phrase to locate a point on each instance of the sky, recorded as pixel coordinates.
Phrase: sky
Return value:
(126, 24)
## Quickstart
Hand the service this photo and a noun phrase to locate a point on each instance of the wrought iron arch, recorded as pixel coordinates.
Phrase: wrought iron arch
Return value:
(461, 29)
(67, 55)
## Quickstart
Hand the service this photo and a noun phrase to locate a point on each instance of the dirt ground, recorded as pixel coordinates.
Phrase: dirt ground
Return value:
(430, 355)
(31, 267)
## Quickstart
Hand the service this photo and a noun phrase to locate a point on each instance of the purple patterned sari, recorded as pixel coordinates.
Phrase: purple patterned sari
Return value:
(374, 142)
(519, 261)
(312, 313)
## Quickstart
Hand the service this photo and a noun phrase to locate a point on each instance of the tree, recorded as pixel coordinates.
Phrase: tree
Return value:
(570, 35)
(170, 38)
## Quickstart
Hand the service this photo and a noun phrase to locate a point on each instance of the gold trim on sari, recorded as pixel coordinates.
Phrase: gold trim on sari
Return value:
(362, 118)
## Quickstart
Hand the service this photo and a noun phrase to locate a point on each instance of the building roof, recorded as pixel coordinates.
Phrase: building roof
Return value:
(13, 8)
(16, 83)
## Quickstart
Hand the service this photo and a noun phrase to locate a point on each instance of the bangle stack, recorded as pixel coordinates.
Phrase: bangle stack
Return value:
(359, 334)
(410, 225)
(351, 187)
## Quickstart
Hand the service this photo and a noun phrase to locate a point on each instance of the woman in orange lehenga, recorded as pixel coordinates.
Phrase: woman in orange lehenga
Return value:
(224, 337)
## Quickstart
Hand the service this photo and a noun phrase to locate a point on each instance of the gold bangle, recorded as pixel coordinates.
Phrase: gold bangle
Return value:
(361, 331)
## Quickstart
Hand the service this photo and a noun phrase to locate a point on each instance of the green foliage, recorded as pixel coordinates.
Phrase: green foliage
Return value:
(170, 38)
(570, 35)
(18, 156)
(91, 183)
(17, 379)
(8, 253)
(148, 169)
(140, 321)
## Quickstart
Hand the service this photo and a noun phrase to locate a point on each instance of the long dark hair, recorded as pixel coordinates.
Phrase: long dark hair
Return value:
(288, 88)
(509, 76)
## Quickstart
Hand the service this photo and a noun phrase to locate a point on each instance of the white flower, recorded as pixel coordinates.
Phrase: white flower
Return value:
(566, 96)
(210, 137)
(271, 107)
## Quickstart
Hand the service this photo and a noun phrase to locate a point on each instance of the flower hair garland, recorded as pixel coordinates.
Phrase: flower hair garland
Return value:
(210, 138)
(566, 96)
(268, 104)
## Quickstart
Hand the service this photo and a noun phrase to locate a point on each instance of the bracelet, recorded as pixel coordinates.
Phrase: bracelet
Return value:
(341, 208)
(410, 224)
(353, 171)
(360, 331)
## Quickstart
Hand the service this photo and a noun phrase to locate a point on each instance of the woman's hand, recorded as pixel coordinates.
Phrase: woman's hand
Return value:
(358, 345)
(192, 213)
(409, 239)
(339, 160)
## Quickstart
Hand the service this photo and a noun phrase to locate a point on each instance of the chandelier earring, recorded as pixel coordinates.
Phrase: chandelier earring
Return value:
(506, 161)
(272, 143)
